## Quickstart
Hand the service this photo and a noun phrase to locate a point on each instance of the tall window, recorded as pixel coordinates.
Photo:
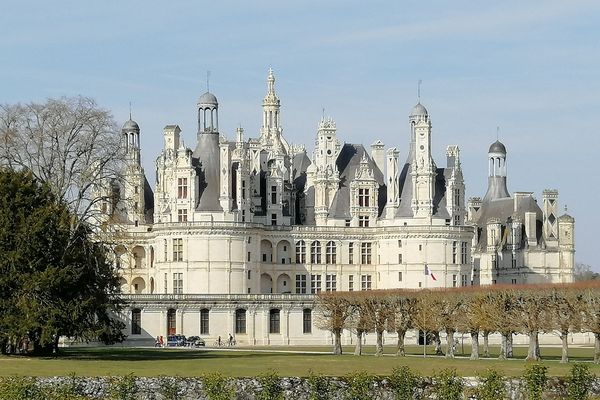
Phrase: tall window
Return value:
(494, 262)
(315, 252)
(457, 197)
(166, 282)
(136, 321)
(330, 253)
(399, 258)
(240, 321)
(177, 249)
(350, 283)
(463, 280)
(363, 197)
(351, 253)
(171, 325)
(301, 284)
(273, 219)
(274, 321)
(307, 320)
(315, 283)
(273, 194)
(178, 282)
(456, 220)
(365, 282)
(363, 221)
(400, 276)
(463, 252)
(365, 253)
(204, 327)
(330, 282)
(182, 188)
(300, 252)
(514, 260)
(166, 249)
(453, 252)
(182, 215)
(454, 280)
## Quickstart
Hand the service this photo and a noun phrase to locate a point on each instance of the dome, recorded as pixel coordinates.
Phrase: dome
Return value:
(418, 110)
(208, 99)
(497, 147)
(131, 125)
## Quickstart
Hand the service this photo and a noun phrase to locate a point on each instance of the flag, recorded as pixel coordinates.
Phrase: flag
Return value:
(428, 272)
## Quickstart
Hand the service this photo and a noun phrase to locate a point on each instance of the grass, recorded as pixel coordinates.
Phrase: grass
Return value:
(192, 362)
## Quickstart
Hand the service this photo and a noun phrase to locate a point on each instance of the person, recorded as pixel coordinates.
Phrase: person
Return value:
(162, 343)
(230, 340)
(157, 342)
(219, 341)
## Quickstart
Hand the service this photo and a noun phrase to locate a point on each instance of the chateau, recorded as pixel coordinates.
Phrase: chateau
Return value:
(236, 235)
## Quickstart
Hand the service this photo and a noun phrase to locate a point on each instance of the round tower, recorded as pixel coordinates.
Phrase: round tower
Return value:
(496, 172)
(208, 114)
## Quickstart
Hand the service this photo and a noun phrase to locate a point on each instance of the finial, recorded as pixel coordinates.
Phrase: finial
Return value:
(129, 110)
(419, 90)
(208, 81)
(323, 116)
(497, 132)
(565, 208)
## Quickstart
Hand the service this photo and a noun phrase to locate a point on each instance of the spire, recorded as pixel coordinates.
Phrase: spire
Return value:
(419, 91)
(130, 111)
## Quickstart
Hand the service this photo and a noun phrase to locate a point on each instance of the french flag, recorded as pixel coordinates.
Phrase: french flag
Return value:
(428, 272)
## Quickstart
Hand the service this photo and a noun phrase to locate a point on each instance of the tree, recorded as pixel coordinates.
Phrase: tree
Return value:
(376, 309)
(471, 317)
(334, 310)
(591, 315)
(69, 143)
(583, 272)
(425, 314)
(403, 305)
(55, 280)
(567, 307)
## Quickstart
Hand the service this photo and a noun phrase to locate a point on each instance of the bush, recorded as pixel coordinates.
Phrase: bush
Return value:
(67, 390)
(270, 386)
(123, 388)
(169, 388)
(319, 386)
(403, 383)
(580, 382)
(359, 386)
(217, 387)
(535, 381)
(18, 388)
(491, 386)
(448, 385)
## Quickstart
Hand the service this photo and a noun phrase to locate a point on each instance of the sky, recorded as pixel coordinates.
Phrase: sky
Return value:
(531, 68)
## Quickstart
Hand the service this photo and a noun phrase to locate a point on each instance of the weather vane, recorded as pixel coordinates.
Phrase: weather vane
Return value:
(208, 81)
(419, 89)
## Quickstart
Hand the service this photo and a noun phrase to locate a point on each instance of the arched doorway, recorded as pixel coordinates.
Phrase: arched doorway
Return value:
(171, 322)
(266, 251)
(138, 285)
(284, 252)
(266, 283)
(284, 284)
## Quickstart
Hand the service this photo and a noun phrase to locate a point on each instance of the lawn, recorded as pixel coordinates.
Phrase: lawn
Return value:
(241, 362)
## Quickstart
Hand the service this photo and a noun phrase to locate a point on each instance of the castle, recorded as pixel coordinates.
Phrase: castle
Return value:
(237, 235)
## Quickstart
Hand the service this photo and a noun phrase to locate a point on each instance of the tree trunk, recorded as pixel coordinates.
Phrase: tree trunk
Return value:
(533, 352)
(597, 348)
(503, 347)
(358, 347)
(379, 347)
(564, 335)
(509, 345)
(449, 343)
(438, 343)
(400, 349)
(486, 344)
(474, 345)
(337, 342)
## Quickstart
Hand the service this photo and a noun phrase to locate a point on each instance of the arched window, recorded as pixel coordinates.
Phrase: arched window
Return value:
(204, 327)
(240, 321)
(315, 252)
(274, 321)
(136, 321)
(307, 320)
(300, 252)
(330, 253)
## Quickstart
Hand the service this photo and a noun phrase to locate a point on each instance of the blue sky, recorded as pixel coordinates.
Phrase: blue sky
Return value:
(530, 67)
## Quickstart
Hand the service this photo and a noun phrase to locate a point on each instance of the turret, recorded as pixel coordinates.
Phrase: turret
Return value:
(496, 172)
(423, 166)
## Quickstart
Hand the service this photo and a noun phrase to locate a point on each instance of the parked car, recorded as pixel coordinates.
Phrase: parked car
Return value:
(195, 341)
(176, 341)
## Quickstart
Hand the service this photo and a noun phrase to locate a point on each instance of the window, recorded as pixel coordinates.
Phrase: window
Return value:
(171, 321)
(182, 188)
(301, 284)
(177, 249)
(274, 321)
(178, 282)
(182, 215)
(273, 194)
(347, 223)
(315, 283)
(350, 283)
(315, 252)
(165, 282)
(249, 256)
(240, 321)
(463, 280)
(420, 247)
(494, 262)
(457, 197)
(204, 328)
(514, 261)
(300, 252)
(399, 258)
(166, 249)
(363, 221)
(307, 320)
(350, 253)
(399, 243)
(453, 252)
(330, 253)
(463, 252)
(273, 219)
(399, 276)
(363, 197)
(243, 189)
(330, 283)
(454, 281)
(136, 321)
(365, 282)
(249, 276)
(513, 281)
(456, 220)
(365, 253)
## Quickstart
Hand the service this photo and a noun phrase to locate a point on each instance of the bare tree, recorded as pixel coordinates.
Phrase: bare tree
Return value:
(376, 307)
(69, 143)
(425, 317)
(591, 314)
(567, 308)
(334, 310)
(357, 321)
(403, 306)
(472, 317)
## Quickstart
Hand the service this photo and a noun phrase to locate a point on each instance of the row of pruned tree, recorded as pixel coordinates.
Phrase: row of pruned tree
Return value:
(476, 310)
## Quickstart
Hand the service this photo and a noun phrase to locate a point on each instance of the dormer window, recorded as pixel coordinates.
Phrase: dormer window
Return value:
(363, 197)
(182, 188)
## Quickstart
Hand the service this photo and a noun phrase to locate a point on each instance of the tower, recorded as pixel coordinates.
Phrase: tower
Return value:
(455, 187)
(271, 123)
(496, 172)
(325, 174)
(549, 212)
(423, 166)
